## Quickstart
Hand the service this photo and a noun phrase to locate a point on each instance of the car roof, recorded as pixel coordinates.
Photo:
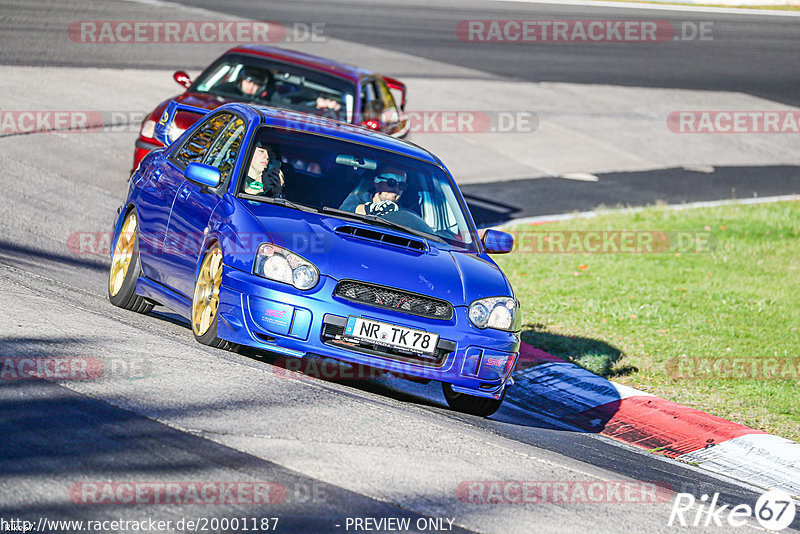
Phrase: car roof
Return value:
(313, 124)
(300, 58)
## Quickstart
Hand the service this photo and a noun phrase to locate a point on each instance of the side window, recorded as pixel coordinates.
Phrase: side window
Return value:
(225, 150)
(195, 148)
(376, 103)
(389, 112)
(370, 103)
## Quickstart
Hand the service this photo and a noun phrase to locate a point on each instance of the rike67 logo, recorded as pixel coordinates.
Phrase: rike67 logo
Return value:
(774, 510)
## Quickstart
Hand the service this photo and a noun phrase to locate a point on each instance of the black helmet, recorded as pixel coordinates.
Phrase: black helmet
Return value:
(254, 74)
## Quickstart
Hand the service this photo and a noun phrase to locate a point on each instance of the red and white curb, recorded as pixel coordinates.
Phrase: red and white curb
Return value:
(550, 385)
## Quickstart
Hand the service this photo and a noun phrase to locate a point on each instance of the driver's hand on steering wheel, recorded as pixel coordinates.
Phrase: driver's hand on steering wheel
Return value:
(381, 207)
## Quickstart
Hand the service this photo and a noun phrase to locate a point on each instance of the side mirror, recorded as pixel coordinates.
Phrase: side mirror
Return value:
(182, 78)
(203, 174)
(496, 242)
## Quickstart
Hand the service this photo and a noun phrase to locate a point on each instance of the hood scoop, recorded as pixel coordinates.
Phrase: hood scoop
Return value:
(382, 237)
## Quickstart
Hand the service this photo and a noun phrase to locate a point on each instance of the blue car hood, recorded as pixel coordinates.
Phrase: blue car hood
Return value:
(458, 277)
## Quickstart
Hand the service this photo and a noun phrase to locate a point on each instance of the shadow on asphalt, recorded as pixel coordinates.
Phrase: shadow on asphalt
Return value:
(595, 355)
(69, 456)
(499, 202)
(23, 256)
(543, 396)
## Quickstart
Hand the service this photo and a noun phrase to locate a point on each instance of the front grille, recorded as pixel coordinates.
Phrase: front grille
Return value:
(394, 299)
(333, 330)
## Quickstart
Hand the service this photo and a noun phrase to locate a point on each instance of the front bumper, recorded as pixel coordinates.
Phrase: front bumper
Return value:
(269, 315)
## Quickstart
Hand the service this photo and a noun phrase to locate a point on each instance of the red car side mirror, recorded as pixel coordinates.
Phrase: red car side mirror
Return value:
(182, 78)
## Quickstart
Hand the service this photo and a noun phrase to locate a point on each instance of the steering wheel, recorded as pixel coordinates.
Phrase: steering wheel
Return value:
(408, 218)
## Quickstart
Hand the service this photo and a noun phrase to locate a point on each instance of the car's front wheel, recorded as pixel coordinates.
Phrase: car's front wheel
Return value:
(471, 404)
(205, 304)
(125, 268)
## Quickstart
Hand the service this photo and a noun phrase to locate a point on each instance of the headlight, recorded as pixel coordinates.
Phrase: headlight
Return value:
(174, 132)
(148, 129)
(494, 312)
(285, 266)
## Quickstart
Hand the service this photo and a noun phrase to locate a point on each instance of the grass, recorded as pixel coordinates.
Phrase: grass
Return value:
(637, 317)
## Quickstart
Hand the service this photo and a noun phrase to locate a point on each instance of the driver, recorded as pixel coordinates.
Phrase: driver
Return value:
(264, 175)
(251, 81)
(382, 197)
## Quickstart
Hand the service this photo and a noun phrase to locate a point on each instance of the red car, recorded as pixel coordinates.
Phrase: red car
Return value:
(280, 78)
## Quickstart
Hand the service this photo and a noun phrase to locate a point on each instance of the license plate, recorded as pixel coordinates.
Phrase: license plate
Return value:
(390, 335)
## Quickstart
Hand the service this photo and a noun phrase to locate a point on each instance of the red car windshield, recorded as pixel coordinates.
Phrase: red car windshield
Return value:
(281, 85)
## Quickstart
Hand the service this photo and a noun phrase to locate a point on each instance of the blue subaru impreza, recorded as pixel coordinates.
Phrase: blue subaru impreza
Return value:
(299, 235)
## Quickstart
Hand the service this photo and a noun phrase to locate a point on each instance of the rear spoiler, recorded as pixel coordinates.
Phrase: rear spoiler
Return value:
(167, 119)
(399, 86)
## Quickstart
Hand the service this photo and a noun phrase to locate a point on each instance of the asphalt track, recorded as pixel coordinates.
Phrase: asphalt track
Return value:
(372, 448)
(753, 55)
(749, 54)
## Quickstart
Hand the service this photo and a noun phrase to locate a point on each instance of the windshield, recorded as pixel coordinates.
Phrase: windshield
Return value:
(263, 81)
(377, 186)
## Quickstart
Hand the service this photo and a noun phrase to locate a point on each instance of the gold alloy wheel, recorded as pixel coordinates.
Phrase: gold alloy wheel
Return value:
(206, 292)
(123, 253)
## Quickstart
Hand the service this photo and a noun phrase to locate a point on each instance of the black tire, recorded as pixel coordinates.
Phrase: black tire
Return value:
(208, 336)
(124, 294)
(471, 404)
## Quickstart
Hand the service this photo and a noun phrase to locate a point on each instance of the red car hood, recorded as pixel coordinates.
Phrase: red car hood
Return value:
(203, 100)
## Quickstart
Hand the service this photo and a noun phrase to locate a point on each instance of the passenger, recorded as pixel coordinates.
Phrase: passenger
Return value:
(328, 102)
(264, 176)
(382, 197)
(325, 105)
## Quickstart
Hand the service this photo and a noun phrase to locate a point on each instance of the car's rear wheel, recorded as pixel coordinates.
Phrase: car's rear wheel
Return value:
(471, 404)
(205, 304)
(126, 268)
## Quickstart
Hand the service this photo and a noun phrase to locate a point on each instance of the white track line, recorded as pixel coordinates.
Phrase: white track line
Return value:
(664, 7)
(677, 207)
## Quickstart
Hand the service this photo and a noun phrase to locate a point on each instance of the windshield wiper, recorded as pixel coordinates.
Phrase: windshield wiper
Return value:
(280, 202)
(380, 220)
